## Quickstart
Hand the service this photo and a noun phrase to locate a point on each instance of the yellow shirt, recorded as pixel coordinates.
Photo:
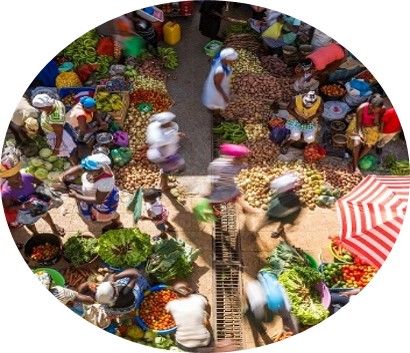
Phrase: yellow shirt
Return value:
(304, 112)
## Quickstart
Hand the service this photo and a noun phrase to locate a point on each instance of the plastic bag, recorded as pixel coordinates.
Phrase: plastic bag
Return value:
(84, 72)
(274, 31)
(278, 134)
(120, 138)
(121, 156)
(368, 162)
(203, 211)
(48, 195)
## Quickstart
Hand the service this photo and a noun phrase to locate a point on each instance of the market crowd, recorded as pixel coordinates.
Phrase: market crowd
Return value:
(47, 129)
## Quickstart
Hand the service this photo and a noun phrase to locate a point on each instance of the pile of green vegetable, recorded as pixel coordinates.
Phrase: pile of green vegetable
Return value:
(124, 248)
(285, 256)
(149, 338)
(79, 249)
(46, 166)
(299, 283)
(171, 259)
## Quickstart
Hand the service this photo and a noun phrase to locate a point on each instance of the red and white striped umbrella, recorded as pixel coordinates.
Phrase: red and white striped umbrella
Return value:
(371, 216)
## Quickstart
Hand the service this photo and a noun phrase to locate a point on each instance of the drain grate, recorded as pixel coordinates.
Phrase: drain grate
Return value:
(227, 277)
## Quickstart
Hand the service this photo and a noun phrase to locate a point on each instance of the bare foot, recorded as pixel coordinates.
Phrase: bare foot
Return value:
(58, 230)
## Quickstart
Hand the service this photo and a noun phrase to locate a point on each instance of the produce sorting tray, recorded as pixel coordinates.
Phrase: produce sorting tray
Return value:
(147, 16)
(119, 116)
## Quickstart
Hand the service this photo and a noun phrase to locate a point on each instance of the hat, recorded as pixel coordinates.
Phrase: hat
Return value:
(10, 161)
(43, 100)
(88, 102)
(237, 151)
(163, 118)
(95, 161)
(309, 98)
(105, 293)
(7, 173)
(228, 54)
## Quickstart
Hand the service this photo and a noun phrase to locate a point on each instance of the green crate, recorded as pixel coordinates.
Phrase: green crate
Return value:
(213, 48)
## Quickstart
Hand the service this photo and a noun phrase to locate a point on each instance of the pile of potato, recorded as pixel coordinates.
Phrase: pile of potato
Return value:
(246, 41)
(153, 69)
(135, 125)
(263, 152)
(147, 82)
(245, 109)
(256, 131)
(135, 175)
(247, 62)
(276, 66)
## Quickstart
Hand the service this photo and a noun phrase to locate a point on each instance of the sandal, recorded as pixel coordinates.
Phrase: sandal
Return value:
(277, 233)
(59, 231)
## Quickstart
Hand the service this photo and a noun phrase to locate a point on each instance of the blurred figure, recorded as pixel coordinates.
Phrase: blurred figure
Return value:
(163, 139)
(285, 205)
(157, 212)
(222, 172)
(131, 43)
(145, 29)
(210, 20)
(216, 92)
(258, 12)
(190, 312)
(22, 113)
(390, 127)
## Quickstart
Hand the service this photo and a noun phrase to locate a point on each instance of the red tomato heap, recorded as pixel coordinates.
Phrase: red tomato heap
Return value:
(44, 252)
(152, 311)
(357, 276)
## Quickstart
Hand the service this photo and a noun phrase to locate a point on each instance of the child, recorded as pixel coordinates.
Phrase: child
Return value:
(157, 212)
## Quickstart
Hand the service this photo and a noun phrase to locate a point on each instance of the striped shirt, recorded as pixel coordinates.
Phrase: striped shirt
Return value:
(57, 116)
(64, 295)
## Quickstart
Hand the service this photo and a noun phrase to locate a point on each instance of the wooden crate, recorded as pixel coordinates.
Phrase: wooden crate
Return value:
(119, 116)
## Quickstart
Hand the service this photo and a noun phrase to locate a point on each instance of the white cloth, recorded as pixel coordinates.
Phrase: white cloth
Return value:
(23, 111)
(103, 185)
(43, 100)
(67, 144)
(211, 97)
(189, 314)
(163, 142)
(163, 118)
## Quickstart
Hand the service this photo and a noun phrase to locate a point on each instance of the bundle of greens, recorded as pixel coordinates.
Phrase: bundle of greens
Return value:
(284, 257)
(171, 259)
(80, 249)
(299, 283)
(124, 248)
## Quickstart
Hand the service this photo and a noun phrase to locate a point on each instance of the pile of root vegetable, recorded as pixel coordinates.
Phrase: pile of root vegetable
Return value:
(314, 179)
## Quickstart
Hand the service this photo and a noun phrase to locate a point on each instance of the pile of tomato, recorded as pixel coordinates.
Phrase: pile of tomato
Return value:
(348, 275)
(152, 310)
(44, 252)
(333, 90)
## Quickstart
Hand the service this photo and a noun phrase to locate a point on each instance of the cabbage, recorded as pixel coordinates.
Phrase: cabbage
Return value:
(45, 153)
(36, 162)
(48, 165)
(52, 158)
(41, 173)
(31, 170)
(67, 165)
(58, 164)
(368, 162)
(53, 176)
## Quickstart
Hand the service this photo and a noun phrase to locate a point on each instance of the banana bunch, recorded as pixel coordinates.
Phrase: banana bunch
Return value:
(169, 57)
(400, 167)
(104, 63)
(83, 49)
(108, 102)
(231, 132)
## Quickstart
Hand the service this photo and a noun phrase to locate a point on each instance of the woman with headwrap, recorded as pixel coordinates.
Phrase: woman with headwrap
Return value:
(52, 124)
(304, 112)
(216, 93)
(98, 196)
(163, 139)
(18, 192)
(83, 123)
(118, 293)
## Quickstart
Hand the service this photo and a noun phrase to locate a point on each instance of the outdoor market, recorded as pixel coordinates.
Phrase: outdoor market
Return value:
(283, 175)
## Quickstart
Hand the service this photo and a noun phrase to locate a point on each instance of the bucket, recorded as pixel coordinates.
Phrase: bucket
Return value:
(339, 141)
(306, 49)
(172, 33)
(43, 239)
(337, 127)
(289, 50)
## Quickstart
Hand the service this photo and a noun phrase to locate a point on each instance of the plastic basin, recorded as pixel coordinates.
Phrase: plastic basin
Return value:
(57, 277)
(41, 239)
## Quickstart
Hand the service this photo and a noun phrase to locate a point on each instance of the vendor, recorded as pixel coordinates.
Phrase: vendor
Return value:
(305, 77)
(52, 124)
(325, 60)
(304, 111)
(83, 122)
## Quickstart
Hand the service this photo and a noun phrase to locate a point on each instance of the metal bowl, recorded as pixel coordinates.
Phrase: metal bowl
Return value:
(104, 138)
(101, 149)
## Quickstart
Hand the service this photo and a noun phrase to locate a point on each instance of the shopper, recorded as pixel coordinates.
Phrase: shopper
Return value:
(210, 20)
(23, 112)
(163, 139)
(216, 92)
(190, 312)
(145, 29)
(390, 127)
(18, 192)
(222, 172)
(363, 130)
(97, 196)
(304, 111)
(339, 300)
(83, 122)
(157, 212)
(52, 124)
